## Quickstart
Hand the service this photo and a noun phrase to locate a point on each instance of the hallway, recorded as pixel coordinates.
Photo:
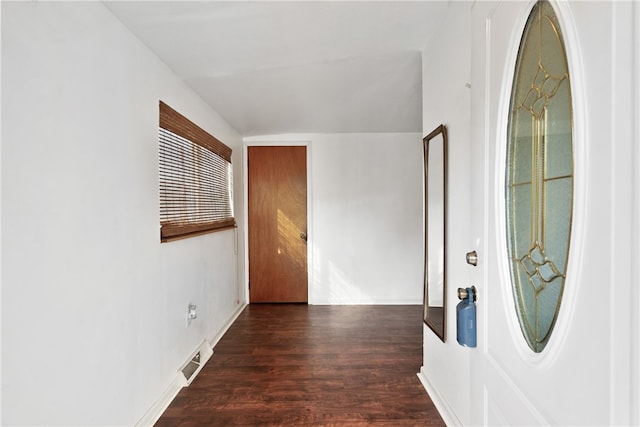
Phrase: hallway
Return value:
(282, 364)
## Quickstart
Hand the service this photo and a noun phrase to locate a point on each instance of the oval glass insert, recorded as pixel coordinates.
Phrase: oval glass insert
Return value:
(539, 175)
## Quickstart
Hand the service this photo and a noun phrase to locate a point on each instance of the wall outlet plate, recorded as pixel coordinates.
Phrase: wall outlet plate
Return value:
(191, 313)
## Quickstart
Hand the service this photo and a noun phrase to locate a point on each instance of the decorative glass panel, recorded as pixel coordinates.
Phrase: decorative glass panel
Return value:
(539, 181)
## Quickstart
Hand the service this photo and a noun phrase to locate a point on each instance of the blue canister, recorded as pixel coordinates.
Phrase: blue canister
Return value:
(466, 317)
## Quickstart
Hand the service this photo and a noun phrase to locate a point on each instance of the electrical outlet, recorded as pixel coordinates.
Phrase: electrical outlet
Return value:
(191, 313)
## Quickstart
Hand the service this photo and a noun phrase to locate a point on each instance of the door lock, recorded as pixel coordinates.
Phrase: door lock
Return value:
(472, 258)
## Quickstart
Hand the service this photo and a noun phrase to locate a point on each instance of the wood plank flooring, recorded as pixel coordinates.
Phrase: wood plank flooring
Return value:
(305, 365)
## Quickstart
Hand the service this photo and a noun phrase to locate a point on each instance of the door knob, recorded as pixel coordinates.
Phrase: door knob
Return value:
(472, 258)
(471, 293)
(303, 236)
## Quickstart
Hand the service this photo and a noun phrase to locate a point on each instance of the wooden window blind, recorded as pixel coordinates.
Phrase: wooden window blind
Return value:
(196, 177)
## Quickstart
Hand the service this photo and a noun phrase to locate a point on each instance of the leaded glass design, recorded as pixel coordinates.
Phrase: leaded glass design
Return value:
(539, 181)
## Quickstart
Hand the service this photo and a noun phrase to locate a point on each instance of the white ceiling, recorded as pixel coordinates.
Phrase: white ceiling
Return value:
(295, 66)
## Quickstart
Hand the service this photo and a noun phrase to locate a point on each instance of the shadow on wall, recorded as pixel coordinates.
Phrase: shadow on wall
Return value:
(332, 285)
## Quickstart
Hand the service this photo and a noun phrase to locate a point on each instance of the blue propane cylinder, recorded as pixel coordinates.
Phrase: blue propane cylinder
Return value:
(466, 317)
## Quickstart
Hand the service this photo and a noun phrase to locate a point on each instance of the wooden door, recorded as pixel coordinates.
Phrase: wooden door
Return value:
(277, 224)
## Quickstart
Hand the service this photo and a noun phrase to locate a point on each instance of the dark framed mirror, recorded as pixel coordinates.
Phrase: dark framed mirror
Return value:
(435, 209)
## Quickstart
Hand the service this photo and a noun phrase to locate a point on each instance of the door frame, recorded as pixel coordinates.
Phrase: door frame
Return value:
(280, 141)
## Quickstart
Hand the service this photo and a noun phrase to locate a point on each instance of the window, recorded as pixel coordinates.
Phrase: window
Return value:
(195, 174)
(540, 175)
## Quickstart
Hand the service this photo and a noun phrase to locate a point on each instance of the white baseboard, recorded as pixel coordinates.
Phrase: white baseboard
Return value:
(213, 341)
(161, 405)
(157, 409)
(446, 412)
(368, 302)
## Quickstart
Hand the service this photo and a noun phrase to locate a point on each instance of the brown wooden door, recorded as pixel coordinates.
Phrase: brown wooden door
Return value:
(277, 224)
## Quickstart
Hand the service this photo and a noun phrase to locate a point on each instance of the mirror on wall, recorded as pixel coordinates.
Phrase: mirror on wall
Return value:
(435, 187)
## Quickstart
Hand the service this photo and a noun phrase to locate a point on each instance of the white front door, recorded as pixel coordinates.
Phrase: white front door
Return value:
(587, 374)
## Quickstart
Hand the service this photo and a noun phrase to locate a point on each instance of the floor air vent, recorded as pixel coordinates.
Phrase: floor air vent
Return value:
(195, 363)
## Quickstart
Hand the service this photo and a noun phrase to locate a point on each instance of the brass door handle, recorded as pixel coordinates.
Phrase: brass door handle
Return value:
(303, 236)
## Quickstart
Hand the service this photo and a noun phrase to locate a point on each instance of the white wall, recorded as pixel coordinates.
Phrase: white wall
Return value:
(93, 306)
(365, 222)
(446, 99)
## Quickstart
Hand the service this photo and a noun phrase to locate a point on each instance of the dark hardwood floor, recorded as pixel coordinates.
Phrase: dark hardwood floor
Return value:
(305, 365)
